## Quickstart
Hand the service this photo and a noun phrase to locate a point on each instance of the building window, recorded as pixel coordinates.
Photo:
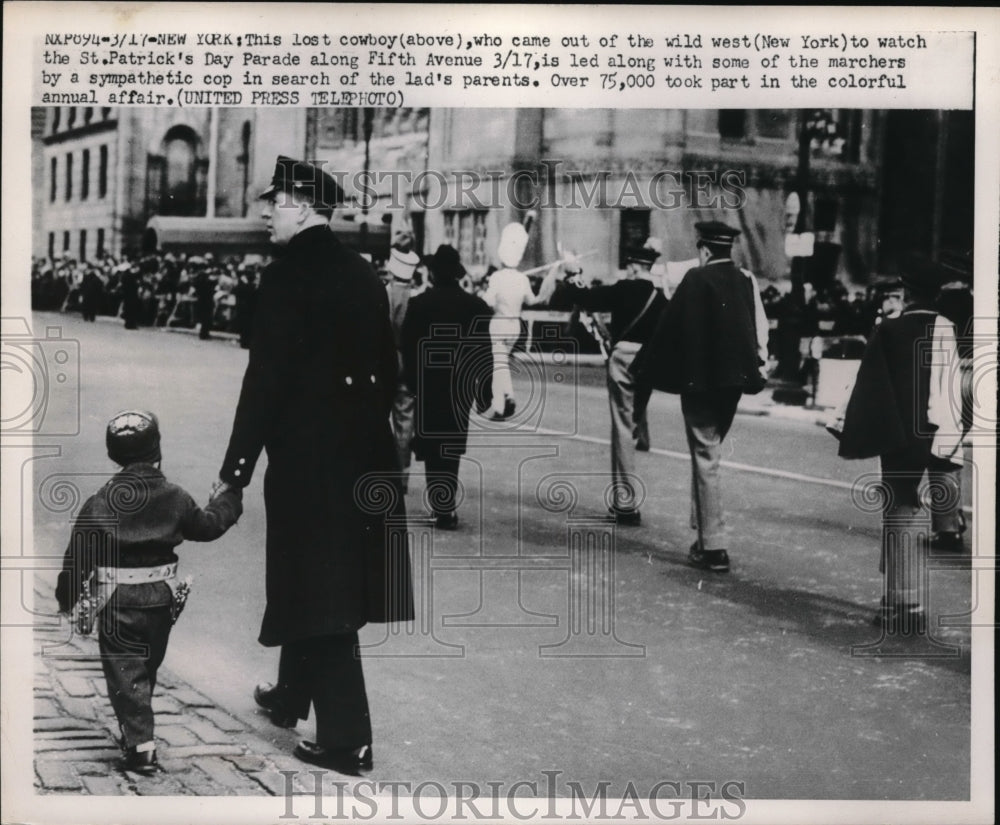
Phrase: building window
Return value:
(466, 231)
(56, 117)
(102, 173)
(88, 115)
(732, 123)
(66, 240)
(53, 179)
(176, 178)
(71, 119)
(633, 231)
(100, 243)
(69, 176)
(83, 244)
(52, 245)
(85, 175)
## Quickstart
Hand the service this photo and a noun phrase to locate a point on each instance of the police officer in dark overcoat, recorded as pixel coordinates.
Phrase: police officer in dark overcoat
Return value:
(316, 396)
(447, 359)
(705, 350)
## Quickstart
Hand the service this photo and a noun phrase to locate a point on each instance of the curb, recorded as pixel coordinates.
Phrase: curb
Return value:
(204, 750)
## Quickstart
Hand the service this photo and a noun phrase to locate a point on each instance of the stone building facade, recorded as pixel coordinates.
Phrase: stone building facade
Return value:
(102, 173)
(878, 182)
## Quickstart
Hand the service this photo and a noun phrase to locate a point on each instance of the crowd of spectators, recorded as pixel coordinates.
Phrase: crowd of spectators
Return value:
(218, 293)
(163, 290)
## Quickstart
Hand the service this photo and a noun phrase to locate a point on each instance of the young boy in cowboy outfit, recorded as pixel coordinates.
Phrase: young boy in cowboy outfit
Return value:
(121, 550)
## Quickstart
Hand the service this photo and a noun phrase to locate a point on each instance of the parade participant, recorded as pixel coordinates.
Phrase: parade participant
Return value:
(509, 291)
(204, 292)
(905, 408)
(443, 346)
(705, 348)
(129, 285)
(635, 305)
(121, 553)
(400, 267)
(316, 396)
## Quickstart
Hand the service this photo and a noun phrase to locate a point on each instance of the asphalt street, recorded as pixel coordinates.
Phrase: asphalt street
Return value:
(549, 642)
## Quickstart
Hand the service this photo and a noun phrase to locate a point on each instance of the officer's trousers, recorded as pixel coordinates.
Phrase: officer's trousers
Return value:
(325, 672)
(707, 419)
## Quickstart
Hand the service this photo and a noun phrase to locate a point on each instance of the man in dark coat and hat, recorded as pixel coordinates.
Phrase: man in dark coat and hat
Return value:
(316, 396)
(705, 350)
(905, 408)
(446, 358)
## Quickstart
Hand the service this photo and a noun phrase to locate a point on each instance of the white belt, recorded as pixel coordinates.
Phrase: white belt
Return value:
(136, 575)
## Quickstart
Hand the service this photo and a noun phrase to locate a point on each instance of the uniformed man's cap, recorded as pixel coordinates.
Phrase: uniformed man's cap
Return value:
(641, 255)
(716, 233)
(301, 178)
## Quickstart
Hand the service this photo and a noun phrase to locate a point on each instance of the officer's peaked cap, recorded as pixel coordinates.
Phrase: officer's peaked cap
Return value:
(306, 180)
(716, 232)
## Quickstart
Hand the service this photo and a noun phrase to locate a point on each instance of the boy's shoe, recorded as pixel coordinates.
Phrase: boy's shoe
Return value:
(509, 407)
(715, 560)
(270, 698)
(349, 761)
(142, 762)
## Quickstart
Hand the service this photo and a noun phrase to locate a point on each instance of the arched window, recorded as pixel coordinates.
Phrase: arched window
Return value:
(175, 177)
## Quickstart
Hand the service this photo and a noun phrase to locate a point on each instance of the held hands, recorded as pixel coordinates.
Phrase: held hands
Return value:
(218, 488)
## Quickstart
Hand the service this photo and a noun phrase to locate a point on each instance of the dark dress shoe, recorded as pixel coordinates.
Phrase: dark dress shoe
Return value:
(947, 541)
(509, 407)
(446, 521)
(626, 518)
(349, 761)
(270, 698)
(142, 762)
(715, 560)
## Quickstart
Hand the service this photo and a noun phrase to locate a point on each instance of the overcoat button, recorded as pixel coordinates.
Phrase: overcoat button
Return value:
(243, 461)
(373, 378)
(348, 380)
(236, 472)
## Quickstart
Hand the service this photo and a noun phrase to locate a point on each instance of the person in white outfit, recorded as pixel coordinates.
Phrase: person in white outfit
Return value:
(509, 291)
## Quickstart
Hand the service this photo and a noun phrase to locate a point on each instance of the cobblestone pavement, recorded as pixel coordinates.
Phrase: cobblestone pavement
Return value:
(203, 750)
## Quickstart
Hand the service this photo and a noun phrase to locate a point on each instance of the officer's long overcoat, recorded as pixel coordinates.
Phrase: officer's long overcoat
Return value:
(316, 396)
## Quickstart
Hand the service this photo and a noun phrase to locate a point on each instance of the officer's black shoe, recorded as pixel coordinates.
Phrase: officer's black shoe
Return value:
(270, 698)
(626, 518)
(715, 560)
(446, 521)
(509, 407)
(950, 542)
(342, 760)
(142, 762)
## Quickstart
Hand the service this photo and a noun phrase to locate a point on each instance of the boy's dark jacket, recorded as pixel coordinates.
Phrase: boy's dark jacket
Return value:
(136, 520)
